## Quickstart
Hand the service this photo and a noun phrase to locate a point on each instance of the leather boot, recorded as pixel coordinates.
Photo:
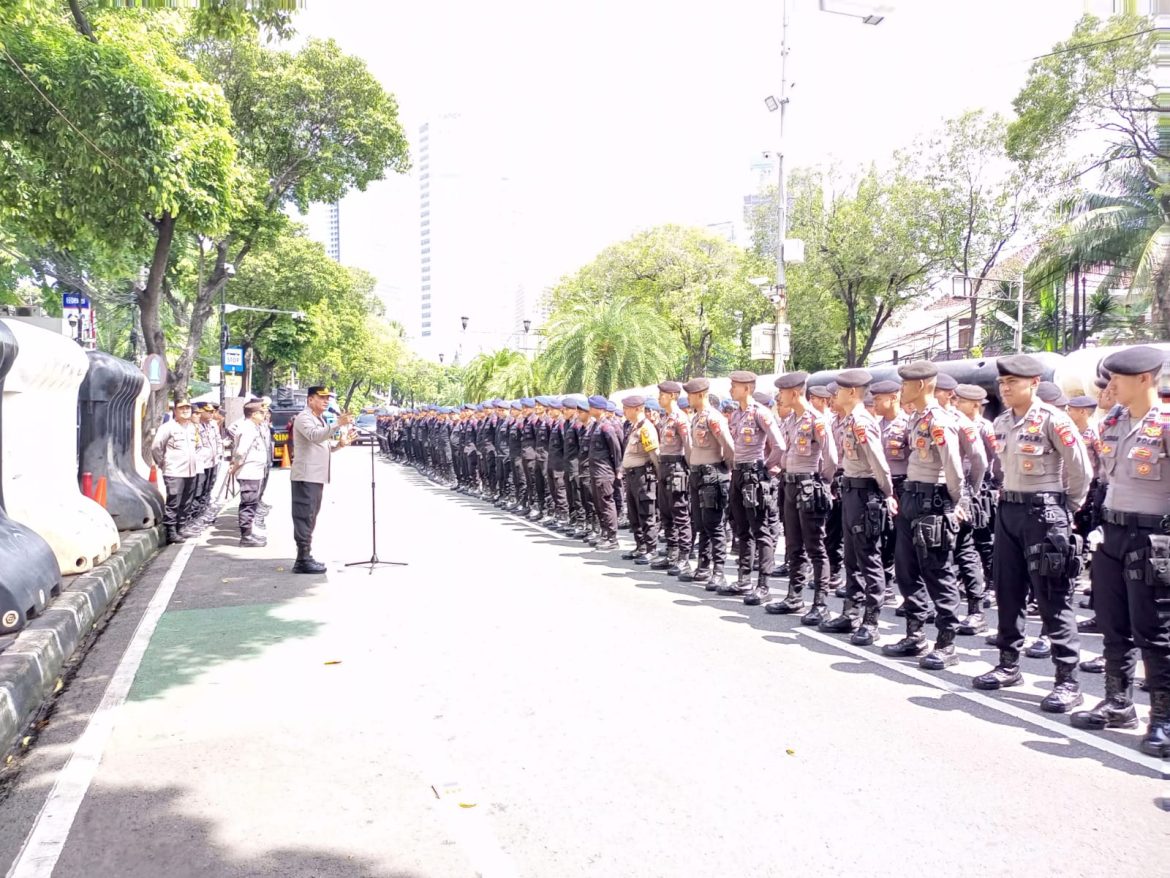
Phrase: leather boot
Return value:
(305, 562)
(1094, 665)
(1156, 741)
(671, 560)
(1039, 648)
(867, 632)
(974, 623)
(682, 562)
(846, 623)
(942, 656)
(759, 594)
(1066, 692)
(743, 584)
(789, 604)
(780, 570)
(701, 573)
(912, 645)
(819, 611)
(174, 537)
(716, 581)
(637, 552)
(249, 540)
(1115, 711)
(1006, 673)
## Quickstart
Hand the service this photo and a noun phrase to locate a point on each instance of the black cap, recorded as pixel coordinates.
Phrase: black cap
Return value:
(887, 386)
(1101, 383)
(670, 387)
(320, 390)
(1082, 402)
(945, 382)
(743, 377)
(791, 380)
(1135, 361)
(970, 392)
(820, 391)
(919, 370)
(763, 398)
(1019, 366)
(697, 385)
(1048, 392)
(854, 378)
(634, 402)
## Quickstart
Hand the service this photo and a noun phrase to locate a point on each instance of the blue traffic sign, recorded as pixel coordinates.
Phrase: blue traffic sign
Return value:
(233, 361)
(74, 300)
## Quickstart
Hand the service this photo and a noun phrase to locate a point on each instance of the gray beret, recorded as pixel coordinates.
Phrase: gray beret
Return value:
(1020, 366)
(820, 391)
(1082, 402)
(697, 385)
(919, 370)
(945, 382)
(791, 380)
(970, 392)
(1134, 361)
(743, 377)
(854, 378)
(670, 387)
(888, 386)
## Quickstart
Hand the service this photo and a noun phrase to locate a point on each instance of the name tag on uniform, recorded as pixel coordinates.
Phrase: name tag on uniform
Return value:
(748, 435)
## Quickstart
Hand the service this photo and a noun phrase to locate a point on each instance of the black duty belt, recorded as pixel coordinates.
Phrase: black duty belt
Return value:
(861, 483)
(923, 488)
(1144, 520)
(797, 478)
(1034, 498)
(672, 458)
(717, 467)
(640, 466)
(751, 465)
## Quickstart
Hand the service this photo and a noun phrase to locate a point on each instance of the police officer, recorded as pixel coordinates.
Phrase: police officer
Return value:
(586, 424)
(558, 492)
(1131, 567)
(810, 463)
(970, 400)
(1037, 445)
(605, 459)
(927, 521)
(1087, 518)
(892, 420)
(175, 452)
(310, 471)
(249, 458)
(759, 449)
(516, 453)
(973, 453)
(209, 449)
(867, 500)
(640, 465)
(673, 481)
(710, 455)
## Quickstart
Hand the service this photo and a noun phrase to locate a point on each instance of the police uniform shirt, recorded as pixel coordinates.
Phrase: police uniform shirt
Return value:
(556, 443)
(933, 442)
(837, 425)
(175, 449)
(1092, 439)
(811, 447)
(605, 445)
(641, 444)
(673, 430)
(543, 435)
(709, 439)
(971, 450)
(987, 435)
(861, 450)
(894, 443)
(1134, 461)
(755, 435)
(1041, 452)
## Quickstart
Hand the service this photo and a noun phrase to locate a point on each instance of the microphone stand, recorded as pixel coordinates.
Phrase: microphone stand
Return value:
(374, 563)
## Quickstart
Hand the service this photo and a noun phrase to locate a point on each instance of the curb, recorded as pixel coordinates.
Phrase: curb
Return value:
(31, 666)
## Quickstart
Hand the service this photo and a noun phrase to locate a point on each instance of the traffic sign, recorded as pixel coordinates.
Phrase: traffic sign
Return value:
(74, 300)
(233, 361)
(154, 367)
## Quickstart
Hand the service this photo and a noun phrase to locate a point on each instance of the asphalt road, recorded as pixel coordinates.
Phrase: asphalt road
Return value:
(515, 704)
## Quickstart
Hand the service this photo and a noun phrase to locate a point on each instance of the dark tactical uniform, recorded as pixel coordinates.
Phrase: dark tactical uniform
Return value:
(533, 501)
(540, 468)
(592, 522)
(640, 465)
(1039, 452)
(926, 526)
(503, 458)
(516, 456)
(572, 440)
(1131, 568)
(758, 448)
(605, 459)
(674, 487)
(865, 492)
(559, 497)
(711, 456)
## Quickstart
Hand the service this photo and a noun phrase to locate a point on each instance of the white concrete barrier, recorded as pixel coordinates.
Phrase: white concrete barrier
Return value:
(40, 450)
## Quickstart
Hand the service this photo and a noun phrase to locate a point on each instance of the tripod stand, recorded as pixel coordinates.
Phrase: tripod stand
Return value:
(373, 564)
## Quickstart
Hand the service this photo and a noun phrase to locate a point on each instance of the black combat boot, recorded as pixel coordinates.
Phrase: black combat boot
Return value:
(249, 540)
(681, 565)
(1156, 741)
(1115, 711)
(867, 632)
(841, 591)
(974, 623)
(846, 623)
(1040, 648)
(607, 543)
(1006, 673)
(819, 611)
(305, 562)
(943, 655)
(912, 645)
(1094, 666)
(671, 560)
(780, 570)
(743, 584)
(173, 536)
(701, 573)
(789, 604)
(637, 552)
(759, 594)
(1066, 692)
(1088, 626)
(715, 581)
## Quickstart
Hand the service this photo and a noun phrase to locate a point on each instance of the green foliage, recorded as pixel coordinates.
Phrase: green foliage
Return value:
(602, 346)
(504, 373)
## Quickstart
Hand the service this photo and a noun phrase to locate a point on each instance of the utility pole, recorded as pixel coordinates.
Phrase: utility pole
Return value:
(781, 207)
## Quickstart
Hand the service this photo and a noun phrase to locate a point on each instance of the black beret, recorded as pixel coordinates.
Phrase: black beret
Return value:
(1048, 392)
(1020, 366)
(1101, 383)
(762, 398)
(697, 385)
(970, 392)
(791, 380)
(854, 378)
(819, 391)
(634, 402)
(743, 377)
(670, 387)
(945, 382)
(1134, 361)
(1082, 402)
(887, 386)
(868, 401)
(919, 370)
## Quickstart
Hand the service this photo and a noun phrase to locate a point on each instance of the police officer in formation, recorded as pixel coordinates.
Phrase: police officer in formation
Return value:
(933, 499)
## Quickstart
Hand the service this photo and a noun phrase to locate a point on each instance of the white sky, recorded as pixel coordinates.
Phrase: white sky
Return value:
(623, 114)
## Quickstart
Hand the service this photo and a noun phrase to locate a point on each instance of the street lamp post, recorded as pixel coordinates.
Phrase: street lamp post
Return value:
(225, 308)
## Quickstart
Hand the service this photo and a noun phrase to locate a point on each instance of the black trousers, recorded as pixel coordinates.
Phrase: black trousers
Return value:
(180, 491)
(573, 490)
(585, 492)
(603, 499)
(641, 498)
(835, 537)
(520, 481)
(890, 537)
(712, 537)
(306, 503)
(540, 477)
(804, 540)
(753, 517)
(1127, 608)
(198, 483)
(969, 566)
(1022, 532)
(503, 475)
(864, 514)
(558, 493)
(249, 500)
(928, 575)
(674, 505)
(488, 470)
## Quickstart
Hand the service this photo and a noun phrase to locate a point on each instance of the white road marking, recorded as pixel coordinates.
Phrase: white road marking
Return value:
(46, 840)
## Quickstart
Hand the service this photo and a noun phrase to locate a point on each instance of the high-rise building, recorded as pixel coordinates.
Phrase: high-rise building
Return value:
(468, 239)
(333, 248)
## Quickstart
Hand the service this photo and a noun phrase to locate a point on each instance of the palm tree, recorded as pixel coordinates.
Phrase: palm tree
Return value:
(602, 346)
(505, 373)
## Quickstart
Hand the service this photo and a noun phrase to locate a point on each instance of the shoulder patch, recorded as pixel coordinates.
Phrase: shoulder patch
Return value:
(859, 433)
(1067, 434)
(819, 429)
(938, 434)
(969, 432)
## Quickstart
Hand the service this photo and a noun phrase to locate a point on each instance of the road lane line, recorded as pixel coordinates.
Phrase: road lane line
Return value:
(46, 840)
(1113, 748)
